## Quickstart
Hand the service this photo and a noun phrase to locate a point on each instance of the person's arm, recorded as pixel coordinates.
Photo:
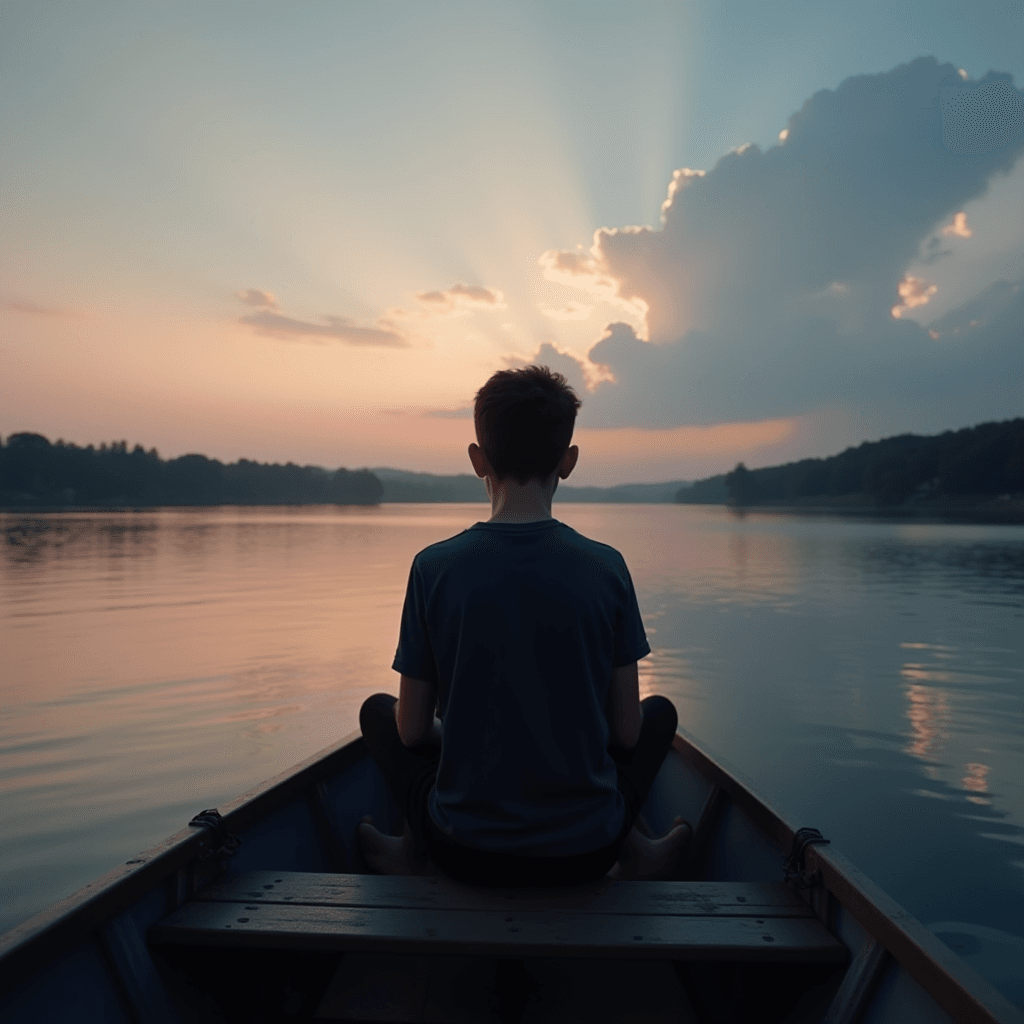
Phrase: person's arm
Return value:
(624, 712)
(414, 712)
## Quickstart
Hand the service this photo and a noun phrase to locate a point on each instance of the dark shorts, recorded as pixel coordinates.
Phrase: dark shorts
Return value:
(411, 773)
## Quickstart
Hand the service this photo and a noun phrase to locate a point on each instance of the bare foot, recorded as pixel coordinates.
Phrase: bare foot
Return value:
(391, 855)
(648, 859)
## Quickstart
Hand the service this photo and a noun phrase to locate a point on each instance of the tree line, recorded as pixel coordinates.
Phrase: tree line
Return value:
(35, 472)
(983, 461)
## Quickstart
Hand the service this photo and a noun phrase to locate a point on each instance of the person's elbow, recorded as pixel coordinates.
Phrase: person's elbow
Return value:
(414, 712)
(410, 736)
(413, 730)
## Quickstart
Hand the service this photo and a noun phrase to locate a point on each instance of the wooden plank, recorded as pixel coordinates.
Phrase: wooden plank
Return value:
(497, 933)
(855, 990)
(736, 899)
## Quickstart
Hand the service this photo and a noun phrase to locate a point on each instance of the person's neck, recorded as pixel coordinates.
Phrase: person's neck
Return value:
(512, 502)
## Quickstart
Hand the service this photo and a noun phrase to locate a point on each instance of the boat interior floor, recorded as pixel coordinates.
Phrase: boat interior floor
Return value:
(253, 986)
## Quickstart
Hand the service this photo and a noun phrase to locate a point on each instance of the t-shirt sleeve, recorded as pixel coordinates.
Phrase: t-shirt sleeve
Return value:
(630, 637)
(415, 655)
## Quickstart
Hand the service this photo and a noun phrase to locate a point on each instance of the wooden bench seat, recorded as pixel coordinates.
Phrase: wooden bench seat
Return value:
(657, 920)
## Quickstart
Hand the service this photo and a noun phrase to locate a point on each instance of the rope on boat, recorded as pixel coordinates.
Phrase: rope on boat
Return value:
(794, 868)
(211, 818)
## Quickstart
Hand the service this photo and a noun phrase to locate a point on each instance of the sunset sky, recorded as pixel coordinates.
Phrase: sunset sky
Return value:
(310, 231)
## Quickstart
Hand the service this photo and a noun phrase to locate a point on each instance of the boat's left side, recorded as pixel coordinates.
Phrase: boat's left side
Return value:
(85, 958)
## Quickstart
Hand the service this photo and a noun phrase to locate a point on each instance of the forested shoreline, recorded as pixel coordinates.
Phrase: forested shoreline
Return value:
(973, 466)
(35, 472)
(970, 468)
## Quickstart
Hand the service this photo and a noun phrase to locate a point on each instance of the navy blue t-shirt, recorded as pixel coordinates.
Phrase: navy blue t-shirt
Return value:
(519, 626)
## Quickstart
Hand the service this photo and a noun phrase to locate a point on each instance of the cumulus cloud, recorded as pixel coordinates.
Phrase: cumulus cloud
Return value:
(982, 117)
(589, 273)
(570, 311)
(461, 298)
(995, 305)
(771, 287)
(958, 226)
(581, 373)
(334, 328)
(914, 291)
(258, 298)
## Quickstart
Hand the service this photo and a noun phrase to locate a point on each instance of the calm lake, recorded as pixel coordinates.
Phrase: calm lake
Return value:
(866, 676)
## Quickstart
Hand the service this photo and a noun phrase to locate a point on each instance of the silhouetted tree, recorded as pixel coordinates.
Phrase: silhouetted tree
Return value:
(984, 460)
(35, 472)
(710, 491)
(740, 482)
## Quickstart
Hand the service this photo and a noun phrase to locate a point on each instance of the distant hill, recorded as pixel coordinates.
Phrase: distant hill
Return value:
(710, 491)
(402, 485)
(962, 468)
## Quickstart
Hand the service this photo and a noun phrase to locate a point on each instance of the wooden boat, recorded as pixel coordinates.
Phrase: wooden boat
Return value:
(285, 923)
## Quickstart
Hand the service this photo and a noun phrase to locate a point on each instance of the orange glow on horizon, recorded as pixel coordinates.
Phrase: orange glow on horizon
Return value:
(719, 439)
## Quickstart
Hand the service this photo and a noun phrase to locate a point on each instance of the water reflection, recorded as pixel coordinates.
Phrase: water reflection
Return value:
(975, 781)
(928, 713)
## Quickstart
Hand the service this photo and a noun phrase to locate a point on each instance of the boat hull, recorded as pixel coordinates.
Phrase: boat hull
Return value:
(87, 956)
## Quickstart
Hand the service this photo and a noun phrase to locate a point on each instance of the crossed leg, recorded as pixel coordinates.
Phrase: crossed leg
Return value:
(410, 776)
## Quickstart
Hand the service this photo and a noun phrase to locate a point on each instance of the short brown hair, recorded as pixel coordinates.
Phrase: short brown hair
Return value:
(524, 421)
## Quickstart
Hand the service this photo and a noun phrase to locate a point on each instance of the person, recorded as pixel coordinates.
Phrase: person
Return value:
(518, 748)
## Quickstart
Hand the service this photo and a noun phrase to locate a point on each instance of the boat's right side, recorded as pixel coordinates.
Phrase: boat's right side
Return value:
(898, 972)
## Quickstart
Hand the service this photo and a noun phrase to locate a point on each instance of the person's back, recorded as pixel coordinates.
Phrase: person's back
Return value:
(520, 625)
(525, 636)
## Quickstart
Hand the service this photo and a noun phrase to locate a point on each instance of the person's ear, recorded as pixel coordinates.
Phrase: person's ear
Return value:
(568, 463)
(479, 460)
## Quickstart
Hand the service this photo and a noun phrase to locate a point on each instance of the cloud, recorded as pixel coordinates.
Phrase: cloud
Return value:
(462, 413)
(958, 227)
(994, 305)
(982, 117)
(25, 308)
(570, 311)
(461, 298)
(914, 291)
(274, 325)
(590, 273)
(771, 288)
(395, 327)
(258, 298)
(582, 374)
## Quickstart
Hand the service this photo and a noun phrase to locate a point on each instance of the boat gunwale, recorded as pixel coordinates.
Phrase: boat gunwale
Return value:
(72, 919)
(954, 986)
